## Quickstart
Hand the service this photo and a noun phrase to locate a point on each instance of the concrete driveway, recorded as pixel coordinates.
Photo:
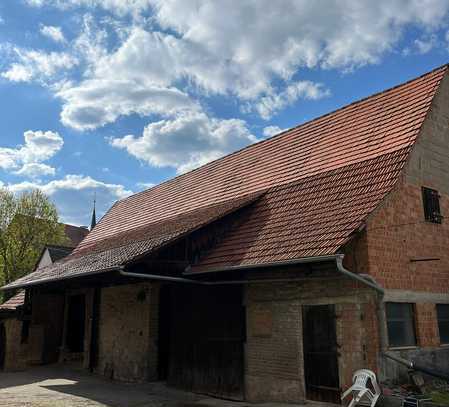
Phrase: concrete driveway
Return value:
(56, 386)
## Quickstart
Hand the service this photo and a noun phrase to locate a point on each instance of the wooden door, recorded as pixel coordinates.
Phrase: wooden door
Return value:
(321, 353)
(2, 346)
(76, 323)
(208, 334)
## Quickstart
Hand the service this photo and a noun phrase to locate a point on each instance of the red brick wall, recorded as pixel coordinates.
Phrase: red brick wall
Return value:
(274, 359)
(426, 324)
(398, 234)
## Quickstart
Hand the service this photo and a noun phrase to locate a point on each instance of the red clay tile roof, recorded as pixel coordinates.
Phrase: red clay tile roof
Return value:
(311, 217)
(130, 246)
(378, 125)
(14, 302)
(353, 155)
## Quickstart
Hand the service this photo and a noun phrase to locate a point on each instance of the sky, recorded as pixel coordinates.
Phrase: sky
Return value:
(110, 97)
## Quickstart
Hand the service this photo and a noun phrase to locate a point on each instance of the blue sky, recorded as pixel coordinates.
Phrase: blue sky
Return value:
(113, 96)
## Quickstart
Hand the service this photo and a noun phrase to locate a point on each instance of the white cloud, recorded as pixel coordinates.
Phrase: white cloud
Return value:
(35, 170)
(74, 194)
(119, 7)
(238, 49)
(271, 131)
(27, 159)
(422, 45)
(38, 65)
(253, 51)
(260, 39)
(186, 142)
(53, 32)
(268, 105)
(95, 103)
(145, 185)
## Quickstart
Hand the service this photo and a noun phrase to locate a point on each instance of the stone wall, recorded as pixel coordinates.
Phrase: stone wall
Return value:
(128, 332)
(16, 353)
(274, 354)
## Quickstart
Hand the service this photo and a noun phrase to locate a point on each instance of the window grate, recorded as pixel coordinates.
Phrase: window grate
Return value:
(431, 202)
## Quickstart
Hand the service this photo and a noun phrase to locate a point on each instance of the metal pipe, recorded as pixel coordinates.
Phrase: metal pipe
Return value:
(338, 259)
(367, 280)
(418, 367)
(370, 282)
(208, 283)
(159, 277)
(313, 259)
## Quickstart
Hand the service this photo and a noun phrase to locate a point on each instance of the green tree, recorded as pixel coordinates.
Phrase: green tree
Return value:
(28, 222)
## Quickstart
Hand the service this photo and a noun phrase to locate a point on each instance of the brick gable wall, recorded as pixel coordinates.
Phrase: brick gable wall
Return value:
(396, 235)
(397, 232)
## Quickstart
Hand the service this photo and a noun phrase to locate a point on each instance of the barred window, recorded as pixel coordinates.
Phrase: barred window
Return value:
(401, 324)
(431, 202)
(443, 322)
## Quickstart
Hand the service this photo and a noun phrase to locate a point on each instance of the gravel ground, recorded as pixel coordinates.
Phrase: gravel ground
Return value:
(59, 387)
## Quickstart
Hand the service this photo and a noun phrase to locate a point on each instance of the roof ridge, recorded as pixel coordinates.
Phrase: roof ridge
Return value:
(282, 133)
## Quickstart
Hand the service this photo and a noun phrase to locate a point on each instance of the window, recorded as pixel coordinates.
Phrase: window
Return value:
(431, 202)
(401, 324)
(443, 322)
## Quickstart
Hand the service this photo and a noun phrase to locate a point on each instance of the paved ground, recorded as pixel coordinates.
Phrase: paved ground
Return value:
(59, 387)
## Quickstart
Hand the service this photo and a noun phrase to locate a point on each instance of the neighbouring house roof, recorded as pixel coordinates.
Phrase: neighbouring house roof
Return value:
(58, 252)
(314, 184)
(14, 302)
(75, 234)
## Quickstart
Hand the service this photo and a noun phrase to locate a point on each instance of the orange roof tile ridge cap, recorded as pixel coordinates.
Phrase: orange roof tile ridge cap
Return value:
(443, 67)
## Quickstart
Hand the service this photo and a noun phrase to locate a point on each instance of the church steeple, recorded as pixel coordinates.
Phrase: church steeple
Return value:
(93, 221)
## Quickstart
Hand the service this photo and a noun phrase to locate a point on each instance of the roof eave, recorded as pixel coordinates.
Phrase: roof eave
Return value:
(13, 286)
(303, 260)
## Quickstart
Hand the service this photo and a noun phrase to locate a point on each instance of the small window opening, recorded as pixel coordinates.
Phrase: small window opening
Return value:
(443, 322)
(401, 324)
(431, 202)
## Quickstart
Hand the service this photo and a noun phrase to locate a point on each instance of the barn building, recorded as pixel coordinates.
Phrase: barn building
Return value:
(276, 271)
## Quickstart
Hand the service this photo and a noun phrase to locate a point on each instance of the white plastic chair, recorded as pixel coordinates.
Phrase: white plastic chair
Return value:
(361, 393)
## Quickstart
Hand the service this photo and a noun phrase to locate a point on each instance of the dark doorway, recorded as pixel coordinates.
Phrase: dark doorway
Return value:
(76, 316)
(52, 317)
(2, 346)
(321, 353)
(207, 339)
(95, 330)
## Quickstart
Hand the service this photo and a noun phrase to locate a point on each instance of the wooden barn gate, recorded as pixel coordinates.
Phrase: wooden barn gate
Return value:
(207, 338)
